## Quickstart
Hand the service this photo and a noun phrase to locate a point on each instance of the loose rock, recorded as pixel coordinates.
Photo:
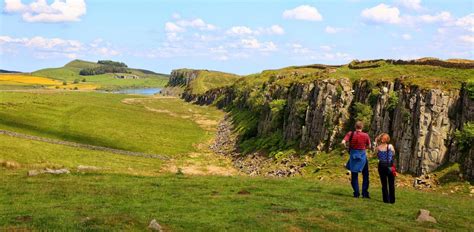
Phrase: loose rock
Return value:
(154, 226)
(49, 171)
(424, 216)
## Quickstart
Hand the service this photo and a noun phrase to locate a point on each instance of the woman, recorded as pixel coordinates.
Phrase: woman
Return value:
(386, 153)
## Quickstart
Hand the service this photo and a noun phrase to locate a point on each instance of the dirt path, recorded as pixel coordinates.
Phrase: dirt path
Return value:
(80, 145)
(204, 161)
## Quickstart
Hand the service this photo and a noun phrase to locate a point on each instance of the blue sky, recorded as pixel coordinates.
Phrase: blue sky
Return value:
(239, 36)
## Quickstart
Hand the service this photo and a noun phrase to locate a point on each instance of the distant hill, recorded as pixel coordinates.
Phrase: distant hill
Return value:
(70, 72)
(7, 71)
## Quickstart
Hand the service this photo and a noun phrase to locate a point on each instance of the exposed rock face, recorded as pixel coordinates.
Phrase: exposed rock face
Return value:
(182, 77)
(317, 114)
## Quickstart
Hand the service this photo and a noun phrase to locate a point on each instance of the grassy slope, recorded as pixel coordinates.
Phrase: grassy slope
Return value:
(425, 76)
(100, 119)
(207, 80)
(70, 72)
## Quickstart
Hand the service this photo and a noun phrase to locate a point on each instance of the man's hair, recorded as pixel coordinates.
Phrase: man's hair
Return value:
(359, 125)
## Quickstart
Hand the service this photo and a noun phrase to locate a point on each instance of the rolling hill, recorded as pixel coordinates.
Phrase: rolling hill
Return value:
(107, 81)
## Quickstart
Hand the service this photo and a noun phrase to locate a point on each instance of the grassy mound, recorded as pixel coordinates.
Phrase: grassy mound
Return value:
(70, 73)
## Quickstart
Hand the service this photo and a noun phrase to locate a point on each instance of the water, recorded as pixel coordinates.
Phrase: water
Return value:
(144, 91)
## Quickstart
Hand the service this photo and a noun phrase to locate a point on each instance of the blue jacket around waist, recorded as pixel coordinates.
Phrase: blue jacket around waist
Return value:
(357, 160)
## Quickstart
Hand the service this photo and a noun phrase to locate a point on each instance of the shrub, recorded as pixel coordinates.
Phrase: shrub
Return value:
(374, 96)
(84, 80)
(363, 112)
(112, 63)
(470, 90)
(75, 88)
(392, 101)
(76, 81)
(465, 137)
(64, 83)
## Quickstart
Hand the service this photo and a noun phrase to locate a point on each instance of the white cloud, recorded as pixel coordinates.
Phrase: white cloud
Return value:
(12, 6)
(303, 12)
(253, 43)
(276, 29)
(299, 49)
(333, 30)
(466, 22)
(410, 4)
(41, 11)
(196, 23)
(467, 39)
(250, 43)
(440, 17)
(325, 48)
(43, 48)
(239, 30)
(245, 31)
(172, 27)
(406, 37)
(382, 14)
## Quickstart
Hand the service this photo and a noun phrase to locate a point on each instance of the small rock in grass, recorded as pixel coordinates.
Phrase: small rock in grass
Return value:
(32, 173)
(424, 216)
(49, 171)
(57, 171)
(154, 226)
(87, 168)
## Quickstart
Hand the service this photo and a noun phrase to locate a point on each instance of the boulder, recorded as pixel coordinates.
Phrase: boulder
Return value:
(424, 216)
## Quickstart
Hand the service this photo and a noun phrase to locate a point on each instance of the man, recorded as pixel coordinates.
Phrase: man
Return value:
(358, 142)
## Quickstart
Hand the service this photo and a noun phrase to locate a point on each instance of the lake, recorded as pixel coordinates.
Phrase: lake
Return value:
(143, 91)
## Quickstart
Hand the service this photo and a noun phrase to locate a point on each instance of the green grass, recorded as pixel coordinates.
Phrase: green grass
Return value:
(207, 80)
(34, 155)
(103, 120)
(70, 72)
(94, 201)
(425, 76)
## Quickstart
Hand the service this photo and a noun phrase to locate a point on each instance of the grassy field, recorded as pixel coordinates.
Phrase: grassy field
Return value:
(70, 72)
(103, 120)
(126, 192)
(28, 81)
(97, 201)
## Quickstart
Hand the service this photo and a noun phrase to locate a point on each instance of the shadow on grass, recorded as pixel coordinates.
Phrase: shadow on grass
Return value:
(6, 120)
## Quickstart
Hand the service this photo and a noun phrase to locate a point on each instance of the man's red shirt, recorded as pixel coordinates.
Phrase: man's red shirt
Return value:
(360, 140)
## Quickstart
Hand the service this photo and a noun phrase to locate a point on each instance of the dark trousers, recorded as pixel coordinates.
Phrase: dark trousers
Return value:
(365, 181)
(388, 183)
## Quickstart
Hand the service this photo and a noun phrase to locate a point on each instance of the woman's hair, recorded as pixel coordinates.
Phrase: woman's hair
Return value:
(384, 138)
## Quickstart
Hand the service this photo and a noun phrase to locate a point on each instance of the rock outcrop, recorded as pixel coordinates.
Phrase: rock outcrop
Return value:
(315, 115)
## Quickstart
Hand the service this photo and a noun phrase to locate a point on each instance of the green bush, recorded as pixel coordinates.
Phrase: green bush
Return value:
(64, 83)
(465, 137)
(392, 101)
(76, 81)
(470, 90)
(374, 96)
(363, 112)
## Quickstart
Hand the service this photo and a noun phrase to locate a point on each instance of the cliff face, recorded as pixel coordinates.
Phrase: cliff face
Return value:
(316, 115)
(182, 77)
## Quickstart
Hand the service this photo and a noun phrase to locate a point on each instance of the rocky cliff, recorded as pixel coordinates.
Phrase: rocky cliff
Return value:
(314, 113)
